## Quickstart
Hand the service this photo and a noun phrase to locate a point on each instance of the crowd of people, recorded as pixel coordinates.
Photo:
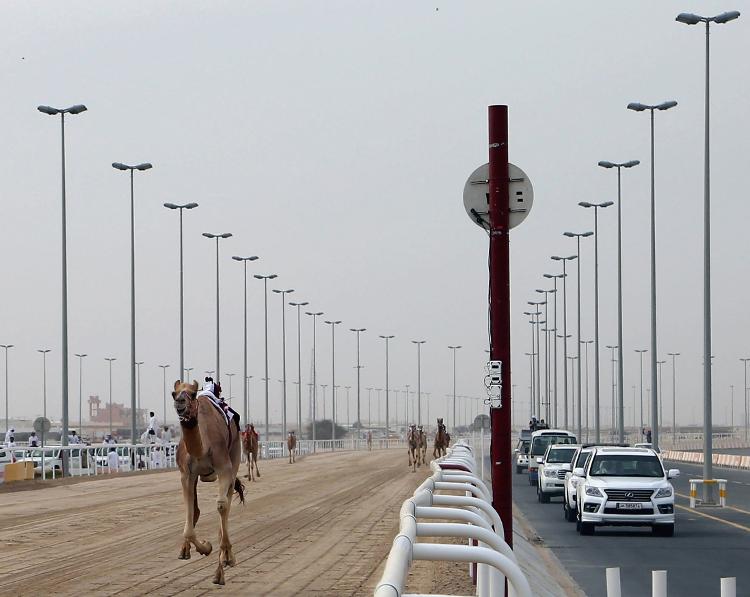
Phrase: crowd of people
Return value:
(536, 425)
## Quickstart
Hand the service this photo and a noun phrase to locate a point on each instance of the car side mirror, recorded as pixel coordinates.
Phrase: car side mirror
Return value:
(539, 460)
(673, 473)
(578, 472)
(516, 450)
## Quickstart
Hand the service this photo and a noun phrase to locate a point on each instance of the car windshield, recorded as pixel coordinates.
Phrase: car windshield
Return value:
(626, 465)
(583, 458)
(540, 443)
(561, 455)
(523, 446)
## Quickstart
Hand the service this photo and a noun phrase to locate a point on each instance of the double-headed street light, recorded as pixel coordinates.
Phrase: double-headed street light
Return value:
(244, 261)
(76, 109)
(283, 294)
(454, 349)
(387, 388)
(182, 207)
(565, 336)
(419, 379)
(596, 207)
(578, 236)
(218, 358)
(638, 107)
(620, 372)
(358, 331)
(315, 316)
(693, 19)
(538, 323)
(547, 329)
(131, 169)
(6, 347)
(265, 316)
(333, 325)
(299, 305)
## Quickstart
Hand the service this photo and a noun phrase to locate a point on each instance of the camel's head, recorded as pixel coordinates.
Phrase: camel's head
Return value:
(185, 402)
(440, 422)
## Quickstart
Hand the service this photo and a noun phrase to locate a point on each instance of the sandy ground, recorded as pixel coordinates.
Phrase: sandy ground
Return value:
(323, 526)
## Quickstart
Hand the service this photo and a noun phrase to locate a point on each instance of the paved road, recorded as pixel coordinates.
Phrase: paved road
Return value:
(708, 543)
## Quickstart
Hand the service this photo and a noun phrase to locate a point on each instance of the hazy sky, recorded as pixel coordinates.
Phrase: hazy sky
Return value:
(333, 139)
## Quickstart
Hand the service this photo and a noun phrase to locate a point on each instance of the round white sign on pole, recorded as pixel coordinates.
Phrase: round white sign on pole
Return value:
(476, 196)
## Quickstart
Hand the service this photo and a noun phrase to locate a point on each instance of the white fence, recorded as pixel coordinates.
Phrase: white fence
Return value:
(476, 521)
(727, 585)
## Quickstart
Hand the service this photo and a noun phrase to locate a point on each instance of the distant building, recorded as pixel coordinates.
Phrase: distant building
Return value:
(99, 413)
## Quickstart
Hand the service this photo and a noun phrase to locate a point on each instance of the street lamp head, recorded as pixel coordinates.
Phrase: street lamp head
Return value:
(585, 204)
(120, 166)
(48, 110)
(688, 18)
(666, 105)
(637, 106)
(357, 329)
(209, 235)
(725, 17)
(251, 258)
(605, 164)
(225, 235)
(606, 204)
(171, 206)
(78, 108)
(191, 205)
(631, 163)
(144, 166)
(585, 234)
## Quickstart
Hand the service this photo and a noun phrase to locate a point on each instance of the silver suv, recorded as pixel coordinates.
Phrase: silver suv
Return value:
(625, 487)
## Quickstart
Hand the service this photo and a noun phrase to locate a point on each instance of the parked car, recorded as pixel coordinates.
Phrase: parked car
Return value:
(540, 441)
(552, 468)
(52, 460)
(522, 455)
(625, 487)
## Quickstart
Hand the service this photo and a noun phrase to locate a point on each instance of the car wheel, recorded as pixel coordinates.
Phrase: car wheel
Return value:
(570, 514)
(519, 470)
(543, 497)
(587, 528)
(530, 481)
(663, 530)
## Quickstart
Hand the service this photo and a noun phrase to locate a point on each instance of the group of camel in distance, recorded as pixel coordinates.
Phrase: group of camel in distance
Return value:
(211, 449)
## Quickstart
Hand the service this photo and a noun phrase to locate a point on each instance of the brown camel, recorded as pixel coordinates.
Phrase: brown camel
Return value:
(441, 440)
(209, 450)
(421, 446)
(250, 446)
(291, 444)
(412, 441)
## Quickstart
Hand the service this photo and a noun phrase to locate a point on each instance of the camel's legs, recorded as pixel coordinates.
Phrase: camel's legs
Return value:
(255, 460)
(223, 504)
(249, 465)
(189, 496)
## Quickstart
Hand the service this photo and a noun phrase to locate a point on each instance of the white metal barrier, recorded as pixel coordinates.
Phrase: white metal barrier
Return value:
(475, 520)
(659, 584)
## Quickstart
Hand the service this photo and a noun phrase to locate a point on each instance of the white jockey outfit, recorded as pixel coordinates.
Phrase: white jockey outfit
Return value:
(33, 440)
(152, 425)
(9, 436)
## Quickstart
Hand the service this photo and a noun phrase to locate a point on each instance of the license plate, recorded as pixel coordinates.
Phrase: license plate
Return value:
(628, 506)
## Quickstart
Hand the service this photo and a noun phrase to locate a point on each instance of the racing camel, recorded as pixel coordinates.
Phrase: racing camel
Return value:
(421, 446)
(291, 444)
(209, 450)
(441, 440)
(250, 447)
(412, 441)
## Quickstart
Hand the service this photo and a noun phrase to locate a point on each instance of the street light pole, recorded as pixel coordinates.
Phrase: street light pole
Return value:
(265, 315)
(283, 294)
(333, 325)
(109, 360)
(453, 419)
(620, 373)
(315, 373)
(641, 352)
(692, 19)
(164, 383)
(138, 379)
(218, 357)
(660, 418)
(44, 352)
(244, 261)
(744, 395)
(387, 386)
(77, 109)
(638, 107)
(674, 401)
(191, 205)
(419, 379)
(6, 347)
(554, 278)
(358, 331)
(565, 334)
(80, 391)
(299, 305)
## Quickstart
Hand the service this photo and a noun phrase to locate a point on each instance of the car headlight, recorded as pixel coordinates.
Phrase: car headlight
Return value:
(664, 492)
(550, 473)
(593, 491)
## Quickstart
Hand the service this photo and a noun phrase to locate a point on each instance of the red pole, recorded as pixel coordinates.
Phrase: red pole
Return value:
(500, 449)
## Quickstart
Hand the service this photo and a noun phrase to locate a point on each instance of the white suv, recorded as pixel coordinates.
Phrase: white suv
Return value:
(552, 468)
(625, 487)
(571, 482)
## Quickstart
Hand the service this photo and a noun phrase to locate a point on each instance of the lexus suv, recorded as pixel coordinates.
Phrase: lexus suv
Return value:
(571, 482)
(552, 468)
(625, 487)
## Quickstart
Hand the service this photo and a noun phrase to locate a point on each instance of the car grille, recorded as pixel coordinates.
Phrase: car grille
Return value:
(641, 512)
(629, 495)
(561, 474)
